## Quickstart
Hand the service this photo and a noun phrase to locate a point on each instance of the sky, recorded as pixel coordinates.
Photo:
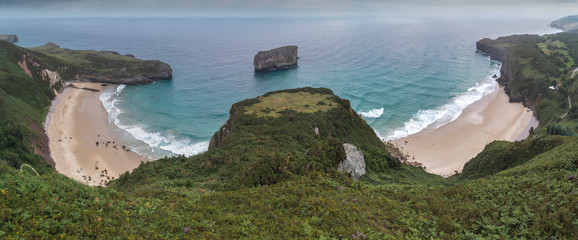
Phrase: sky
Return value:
(183, 8)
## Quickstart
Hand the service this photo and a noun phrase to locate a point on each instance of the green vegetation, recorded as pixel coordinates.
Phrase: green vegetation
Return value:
(23, 106)
(535, 63)
(250, 150)
(271, 173)
(534, 200)
(274, 105)
(99, 65)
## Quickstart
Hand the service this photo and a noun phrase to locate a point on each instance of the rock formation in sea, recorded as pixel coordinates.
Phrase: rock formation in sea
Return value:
(9, 37)
(276, 59)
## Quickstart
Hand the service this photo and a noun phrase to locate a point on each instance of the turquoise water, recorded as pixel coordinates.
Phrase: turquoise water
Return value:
(400, 74)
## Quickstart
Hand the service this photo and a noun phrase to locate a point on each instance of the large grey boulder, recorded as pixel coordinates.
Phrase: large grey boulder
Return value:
(276, 59)
(354, 163)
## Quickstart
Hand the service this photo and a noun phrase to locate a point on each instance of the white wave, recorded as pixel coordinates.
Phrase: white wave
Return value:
(168, 143)
(449, 112)
(154, 141)
(374, 113)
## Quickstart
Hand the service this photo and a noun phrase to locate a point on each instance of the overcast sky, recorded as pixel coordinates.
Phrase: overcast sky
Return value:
(498, 8)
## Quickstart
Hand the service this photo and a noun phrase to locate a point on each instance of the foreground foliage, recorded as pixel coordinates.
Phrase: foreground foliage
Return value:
(535, 200)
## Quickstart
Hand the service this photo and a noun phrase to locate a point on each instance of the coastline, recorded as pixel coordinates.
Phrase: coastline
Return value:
(446, 149)
(80, 142)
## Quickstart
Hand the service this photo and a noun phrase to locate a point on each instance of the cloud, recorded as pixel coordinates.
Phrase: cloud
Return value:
(185, 7)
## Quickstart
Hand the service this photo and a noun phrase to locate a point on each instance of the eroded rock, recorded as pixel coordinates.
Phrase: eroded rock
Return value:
(354, 163)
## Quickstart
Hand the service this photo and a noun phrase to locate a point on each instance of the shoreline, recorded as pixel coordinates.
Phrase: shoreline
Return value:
(445, 150)
(79, 137)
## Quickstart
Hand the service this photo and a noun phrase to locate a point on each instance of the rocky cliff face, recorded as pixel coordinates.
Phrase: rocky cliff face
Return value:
(276, 59)
(134, 74)
(105, 66)
(498, 50)
(9, 37)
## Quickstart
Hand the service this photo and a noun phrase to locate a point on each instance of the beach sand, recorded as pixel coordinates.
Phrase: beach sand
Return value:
(77, 122)
(445, 150)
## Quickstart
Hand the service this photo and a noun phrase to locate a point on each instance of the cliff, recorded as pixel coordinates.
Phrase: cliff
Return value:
(106, 66)
(276, 59)
(532, 66)
(9, 38)
(568, 23)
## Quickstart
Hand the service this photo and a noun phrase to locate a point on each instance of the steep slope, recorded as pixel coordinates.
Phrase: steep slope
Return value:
(537, 70)
(534, 200)
(30, 79)
(278, 136)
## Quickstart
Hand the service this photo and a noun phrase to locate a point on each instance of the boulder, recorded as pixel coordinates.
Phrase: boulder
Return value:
(354, 163)
(276, 59)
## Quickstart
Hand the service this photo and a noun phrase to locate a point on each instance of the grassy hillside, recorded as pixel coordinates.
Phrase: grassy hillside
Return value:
(535, 200)
(24, 102)
(280, 135)
(531, 65)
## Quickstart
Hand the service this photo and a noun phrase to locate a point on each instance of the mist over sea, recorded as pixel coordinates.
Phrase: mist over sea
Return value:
(400, 74)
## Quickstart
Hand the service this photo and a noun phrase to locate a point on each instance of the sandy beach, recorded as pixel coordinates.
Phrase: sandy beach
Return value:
(445, 150)
(80, 143)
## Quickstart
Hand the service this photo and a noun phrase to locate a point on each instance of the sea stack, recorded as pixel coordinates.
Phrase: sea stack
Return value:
(276, 59)
(9, 37)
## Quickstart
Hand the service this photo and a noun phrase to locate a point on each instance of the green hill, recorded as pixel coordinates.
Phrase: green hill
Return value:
(538, 70)
(271, 172)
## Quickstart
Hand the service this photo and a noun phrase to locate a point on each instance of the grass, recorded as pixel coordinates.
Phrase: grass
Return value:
(302, 102)
(83, 57)
(544, 48)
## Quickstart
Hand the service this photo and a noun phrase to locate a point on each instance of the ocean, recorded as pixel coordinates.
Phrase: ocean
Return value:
(400, 74)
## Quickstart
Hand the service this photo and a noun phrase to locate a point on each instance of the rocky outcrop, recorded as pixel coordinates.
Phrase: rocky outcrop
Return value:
(489, 46)
(219, 136)
(566, 24)
(144, 72)
(354, 163)
(276, 59)
(9, 37)
(107, 66)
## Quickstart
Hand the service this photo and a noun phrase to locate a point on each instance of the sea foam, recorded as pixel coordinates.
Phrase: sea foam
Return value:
(448, 112)
(150, 144)
(374, 113)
